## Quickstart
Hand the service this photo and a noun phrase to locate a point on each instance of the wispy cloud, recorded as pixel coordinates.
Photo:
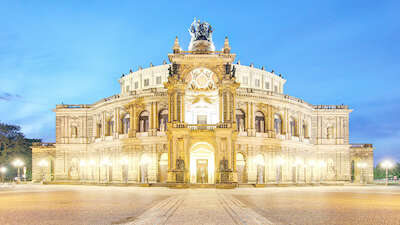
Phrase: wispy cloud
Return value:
(5, 96)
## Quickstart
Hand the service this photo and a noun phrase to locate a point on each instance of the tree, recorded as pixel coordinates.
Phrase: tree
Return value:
(380, 172)
(13, 145)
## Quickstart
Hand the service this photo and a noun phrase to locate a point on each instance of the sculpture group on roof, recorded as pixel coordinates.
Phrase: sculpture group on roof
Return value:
(200, 31)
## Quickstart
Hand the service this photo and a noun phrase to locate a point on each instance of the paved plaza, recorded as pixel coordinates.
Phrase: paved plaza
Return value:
(69, 204)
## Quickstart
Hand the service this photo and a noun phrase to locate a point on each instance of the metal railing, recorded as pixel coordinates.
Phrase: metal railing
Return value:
(201, 126)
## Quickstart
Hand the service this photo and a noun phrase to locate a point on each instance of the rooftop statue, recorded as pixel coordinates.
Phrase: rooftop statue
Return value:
(200, 32)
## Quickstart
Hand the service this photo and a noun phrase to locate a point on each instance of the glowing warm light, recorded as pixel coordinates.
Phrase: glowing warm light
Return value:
(298, 162)
(164, 159)
(202, 150)
(43, 163)
(82, 163)
(362, 165)
(145, 160)
(280, 160)
(18, 163)
(387, 164)
(106, 162)
(3, 169)
(311, 163)
(124, 161)
(321, 163)
(259, 160)
(92, 162)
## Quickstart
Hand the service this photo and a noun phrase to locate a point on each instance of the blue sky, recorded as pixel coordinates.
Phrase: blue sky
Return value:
(330, 52)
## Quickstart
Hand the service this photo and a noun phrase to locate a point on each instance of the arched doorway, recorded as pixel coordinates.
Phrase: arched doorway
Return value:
(241, 168)
(144, 121)
(260, 122)
(163, 120)
(260, 162)
(144, 168)
(202, 163)
(163, 168)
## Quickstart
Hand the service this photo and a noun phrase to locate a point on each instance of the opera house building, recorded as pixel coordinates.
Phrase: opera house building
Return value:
(203, 118)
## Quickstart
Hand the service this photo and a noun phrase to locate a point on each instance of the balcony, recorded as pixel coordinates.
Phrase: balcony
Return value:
(202, 126)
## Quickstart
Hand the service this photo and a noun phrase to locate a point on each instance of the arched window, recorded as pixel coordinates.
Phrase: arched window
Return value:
(240, 120)
(99, 129)
(329, 131)
(260, 162)
(163, 119)
(241, 167)
(74, 131)
(144, 121)
(126, 123)
(110, 127)
(305, 130)
(292, 124)
(278, 124)
(260, 122)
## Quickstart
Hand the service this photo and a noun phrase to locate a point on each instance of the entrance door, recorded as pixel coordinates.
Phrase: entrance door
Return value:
(163, 168)
(202, 171)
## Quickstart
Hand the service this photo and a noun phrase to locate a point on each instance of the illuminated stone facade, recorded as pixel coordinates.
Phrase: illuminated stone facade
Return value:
(203, 119)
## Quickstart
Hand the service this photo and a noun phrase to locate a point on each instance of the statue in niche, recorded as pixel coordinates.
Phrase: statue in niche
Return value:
(223, 165)
(260, 174)
(74, 132)
(330, 132)
(141, 126)
(144, 177)
(162, 125)
(262, 126)
(203, 175)
(180, 164)
(241, 125)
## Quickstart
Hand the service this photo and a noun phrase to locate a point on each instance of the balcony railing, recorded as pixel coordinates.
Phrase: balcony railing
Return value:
(202, 126)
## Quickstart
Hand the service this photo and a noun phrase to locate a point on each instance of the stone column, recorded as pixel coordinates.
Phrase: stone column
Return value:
(132, 121)
(175, 107)
(221, 114)
(156, 117)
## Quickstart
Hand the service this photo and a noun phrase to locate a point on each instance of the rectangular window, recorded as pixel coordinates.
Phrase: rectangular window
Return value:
(245, 80)
(266, 85)
(158, 80)
(276, 88)
(136, 85)
(257, 82)
(127, 88)
(146, 82)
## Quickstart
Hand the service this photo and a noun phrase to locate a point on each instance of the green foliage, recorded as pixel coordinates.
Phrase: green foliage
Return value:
(380, 172)
(13, 145)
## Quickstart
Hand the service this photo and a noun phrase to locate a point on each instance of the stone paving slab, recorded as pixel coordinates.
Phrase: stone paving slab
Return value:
(200, 207)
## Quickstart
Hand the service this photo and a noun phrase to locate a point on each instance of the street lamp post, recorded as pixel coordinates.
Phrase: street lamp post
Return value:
(280, 161)
(321, 165)
(124, 162)
(92, 163)
(3, 171)
(298, 163)
(312, 164)
(43, 164)
(387, 165)
(362, 166)
(82, 165)
(18, 163)
(106, 162)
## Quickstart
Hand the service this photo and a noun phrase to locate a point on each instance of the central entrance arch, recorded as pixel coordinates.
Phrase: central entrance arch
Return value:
(202, 163)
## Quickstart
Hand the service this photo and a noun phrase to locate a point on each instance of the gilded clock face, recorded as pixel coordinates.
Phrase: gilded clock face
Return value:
(201, 78)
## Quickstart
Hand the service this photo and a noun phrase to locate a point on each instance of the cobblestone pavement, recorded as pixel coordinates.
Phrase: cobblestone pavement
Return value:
(65, 204)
